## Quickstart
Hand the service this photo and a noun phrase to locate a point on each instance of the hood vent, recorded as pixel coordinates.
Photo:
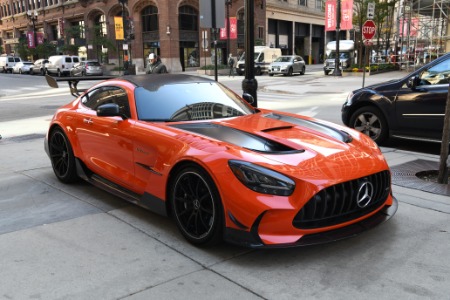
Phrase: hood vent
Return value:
(324, 129)
(238, 137)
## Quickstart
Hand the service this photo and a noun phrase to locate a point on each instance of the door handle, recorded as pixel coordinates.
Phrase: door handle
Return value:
(88, 121)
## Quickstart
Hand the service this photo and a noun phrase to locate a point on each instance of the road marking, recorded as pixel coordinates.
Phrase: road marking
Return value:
(25, 126)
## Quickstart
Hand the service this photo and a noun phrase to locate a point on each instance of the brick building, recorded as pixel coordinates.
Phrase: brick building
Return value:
(169, 28)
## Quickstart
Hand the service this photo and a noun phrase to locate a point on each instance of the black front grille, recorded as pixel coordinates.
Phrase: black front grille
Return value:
(338, 203)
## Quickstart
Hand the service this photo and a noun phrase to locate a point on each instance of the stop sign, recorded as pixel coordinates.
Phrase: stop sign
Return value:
(368, 29)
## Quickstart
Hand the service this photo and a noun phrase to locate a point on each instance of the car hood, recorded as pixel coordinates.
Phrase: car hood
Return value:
(274, 138)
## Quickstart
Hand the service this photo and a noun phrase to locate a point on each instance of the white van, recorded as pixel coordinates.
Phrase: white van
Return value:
(7, 62)
(61, 64)
(264, 56)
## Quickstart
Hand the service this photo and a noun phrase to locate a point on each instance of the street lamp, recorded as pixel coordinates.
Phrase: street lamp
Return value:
(125, 67)
(250, 84)
(33, 16)
(228, 3)
(337, 59)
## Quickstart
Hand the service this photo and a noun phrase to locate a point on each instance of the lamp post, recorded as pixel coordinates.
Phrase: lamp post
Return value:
(228, 3)
(33, 16)
(123, 2)
(337, 60)
(249, 84)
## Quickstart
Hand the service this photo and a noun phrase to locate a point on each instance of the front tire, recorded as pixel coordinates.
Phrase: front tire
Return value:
(290, 72)
(62, 157)
(196, 206)
(370, 121)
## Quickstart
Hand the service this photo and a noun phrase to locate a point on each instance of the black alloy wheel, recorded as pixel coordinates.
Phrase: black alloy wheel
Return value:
(62, 157)
(370, 121)
(196, 206)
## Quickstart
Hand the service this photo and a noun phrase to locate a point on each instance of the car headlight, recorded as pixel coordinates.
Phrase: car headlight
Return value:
(349, 99)
(262, 180)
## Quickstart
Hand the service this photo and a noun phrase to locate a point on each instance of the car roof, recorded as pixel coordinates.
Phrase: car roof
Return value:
(153, 81)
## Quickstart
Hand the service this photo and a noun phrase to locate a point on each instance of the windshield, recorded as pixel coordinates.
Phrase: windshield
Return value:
(342, 55)
(284, 59)
(189, 101)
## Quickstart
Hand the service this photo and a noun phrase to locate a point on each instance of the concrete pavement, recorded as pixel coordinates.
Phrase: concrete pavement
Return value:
(76, 242)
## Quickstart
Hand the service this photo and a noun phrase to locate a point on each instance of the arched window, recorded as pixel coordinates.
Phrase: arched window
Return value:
(150, 19)
(188, 18)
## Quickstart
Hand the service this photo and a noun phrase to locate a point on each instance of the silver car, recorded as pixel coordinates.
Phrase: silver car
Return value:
(85, 68)
(287, 65)
(22, 67)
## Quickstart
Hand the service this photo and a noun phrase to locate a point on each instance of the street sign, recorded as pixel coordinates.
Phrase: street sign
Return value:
(368, 29)
(370, 10)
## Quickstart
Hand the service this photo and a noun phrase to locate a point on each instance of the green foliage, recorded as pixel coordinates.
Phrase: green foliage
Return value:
(45, 50)
(22, 48)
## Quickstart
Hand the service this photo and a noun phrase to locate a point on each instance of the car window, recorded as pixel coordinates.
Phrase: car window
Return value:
(188, 102)
(105, 95)
(75, 59)
(437, 74)
(68, 60)
(10, 59)
(17, 59)
(93, 63)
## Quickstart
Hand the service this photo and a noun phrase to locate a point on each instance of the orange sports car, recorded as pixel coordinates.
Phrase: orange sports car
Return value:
(189, 147)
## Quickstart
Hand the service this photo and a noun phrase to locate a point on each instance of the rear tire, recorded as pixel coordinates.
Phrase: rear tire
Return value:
(62, 157)
(303, 71)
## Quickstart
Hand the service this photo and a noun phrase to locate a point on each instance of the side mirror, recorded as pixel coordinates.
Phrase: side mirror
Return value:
(413, 81)
(249, 98)
(108, 110)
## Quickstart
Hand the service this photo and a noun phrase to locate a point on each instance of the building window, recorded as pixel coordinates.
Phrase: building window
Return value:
(188, 18)
(302, 2)
(319, 5)
(150, 19)
(261, 32)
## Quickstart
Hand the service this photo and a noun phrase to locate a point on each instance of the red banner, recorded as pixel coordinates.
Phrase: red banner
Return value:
(413, 27)
(40, 38)
(346, 15)
(330, 15)
(30, 39)
(233, 29)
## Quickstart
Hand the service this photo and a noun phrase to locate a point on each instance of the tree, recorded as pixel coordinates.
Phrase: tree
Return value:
(443, 169)
(22, 48)
(99, 40)
(70, 34)
(384, 19)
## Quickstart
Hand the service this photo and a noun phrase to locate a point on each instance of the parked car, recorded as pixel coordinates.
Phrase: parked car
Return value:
(189, 147)
(287, 65)
(86, 68)
(39, 66)
(7, 62)
(22, 67)
(412, 107)
(61, 64)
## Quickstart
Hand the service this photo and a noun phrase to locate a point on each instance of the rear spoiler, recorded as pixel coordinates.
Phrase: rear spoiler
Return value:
(73, 82)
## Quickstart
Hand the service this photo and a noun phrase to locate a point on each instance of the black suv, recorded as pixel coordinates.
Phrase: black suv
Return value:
(412, 107)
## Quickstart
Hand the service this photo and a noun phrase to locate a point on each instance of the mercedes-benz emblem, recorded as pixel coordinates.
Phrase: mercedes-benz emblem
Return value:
(365, 194)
